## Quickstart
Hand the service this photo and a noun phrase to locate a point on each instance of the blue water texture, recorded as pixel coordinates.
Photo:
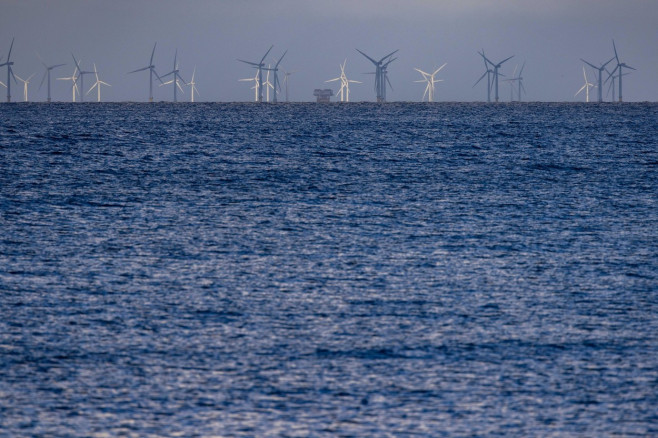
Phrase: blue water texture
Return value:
(339, 270)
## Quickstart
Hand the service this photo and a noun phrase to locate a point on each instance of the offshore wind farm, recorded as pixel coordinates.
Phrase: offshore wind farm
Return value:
(382, 82)
(549, 77)
(294, 218)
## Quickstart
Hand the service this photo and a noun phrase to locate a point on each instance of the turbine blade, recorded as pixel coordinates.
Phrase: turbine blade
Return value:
(265, 55)
(10, 47)
(505, 60)
(390, 54)
(277, 64)
(611, 59)
(481, 77)
(615, 48)
(248, 62)
(43, 79)
(76, 62)
(371, 60)
(153, 53)
(439, 69)
(140, 69)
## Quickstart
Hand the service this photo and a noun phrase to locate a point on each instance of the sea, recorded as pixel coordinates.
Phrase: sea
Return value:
(338, 270)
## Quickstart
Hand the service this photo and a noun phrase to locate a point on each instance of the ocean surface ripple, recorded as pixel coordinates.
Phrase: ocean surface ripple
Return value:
(329, 270)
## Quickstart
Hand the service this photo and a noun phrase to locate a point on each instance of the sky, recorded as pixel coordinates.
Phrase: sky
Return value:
(550, 37)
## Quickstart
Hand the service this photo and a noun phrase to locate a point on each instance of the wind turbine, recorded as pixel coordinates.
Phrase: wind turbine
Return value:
(47, 74)
(81, 76)
(175, 78)
(600, 70)
(10, 71)
(344, 89)
(255, 87)
(97, 85)
(151, 69)
(429, 78)
(277, 84)
(268, 85)
(192, 84)
(259, 66)
(74, 79)
(496, 67)
(487, 73)
(286, 80)
(380, 74)
(620, 66)
(614, 77)
(585, 87)
(519, 80)
(25, 84)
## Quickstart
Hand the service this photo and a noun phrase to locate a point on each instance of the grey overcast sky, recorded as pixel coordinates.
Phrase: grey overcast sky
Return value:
(548, 35)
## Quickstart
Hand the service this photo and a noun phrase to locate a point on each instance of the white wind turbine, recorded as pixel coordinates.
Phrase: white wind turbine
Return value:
(97, 85)
(73, 78)
(255, 87)
(344, 90)
(277, 84)
(585, 87)
(259, 82)
(192, 84)
(25, 82)
(81, 76)
(268, 84)
(431, 81)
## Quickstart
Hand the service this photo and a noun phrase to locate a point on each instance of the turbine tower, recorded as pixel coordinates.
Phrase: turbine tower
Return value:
(496, 67)
(344, 89)
(380, 74)
(151, 69)
(600, 70)
(47, 74)
(97, 85)
(192, 84)
(25, 84)
(74, 79)
(585, 87)
(429, 78)
(176, 76)
(259, 66)
(81, 76)
(620, 66)
(10, 71)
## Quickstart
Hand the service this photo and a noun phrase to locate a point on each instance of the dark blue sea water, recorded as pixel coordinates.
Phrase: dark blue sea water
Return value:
(329, 270)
